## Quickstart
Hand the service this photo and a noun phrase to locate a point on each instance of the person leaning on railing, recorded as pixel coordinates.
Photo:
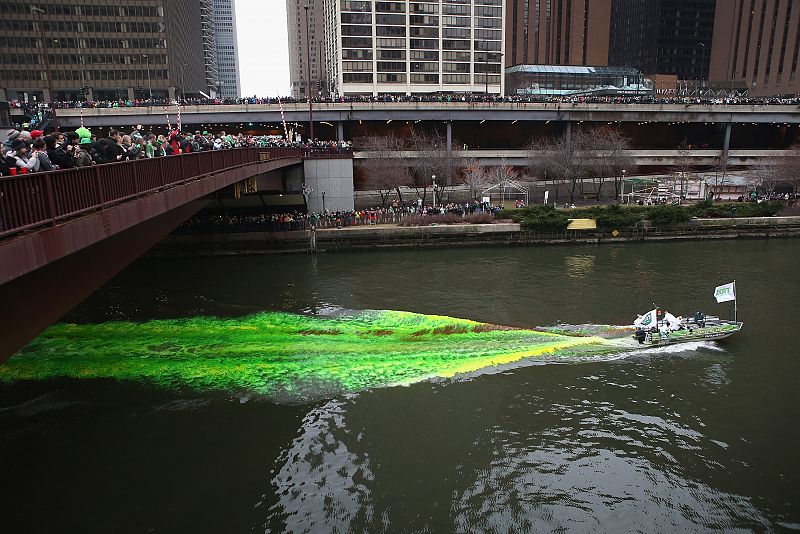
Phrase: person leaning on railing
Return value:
(82, 158)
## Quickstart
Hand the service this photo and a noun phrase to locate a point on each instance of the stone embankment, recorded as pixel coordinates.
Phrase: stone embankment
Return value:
(466, 235)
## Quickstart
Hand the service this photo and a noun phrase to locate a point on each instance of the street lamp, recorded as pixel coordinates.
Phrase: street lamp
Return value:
(323, 202)
(703, 64)
(433, 179)
(38, 11)
(308, 81)
(622, 191)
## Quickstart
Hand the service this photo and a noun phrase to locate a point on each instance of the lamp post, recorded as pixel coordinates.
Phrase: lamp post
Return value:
(702, 65)
(433, 179)
(622, 190)
(323, 202)
(308, 81)
(38, 12)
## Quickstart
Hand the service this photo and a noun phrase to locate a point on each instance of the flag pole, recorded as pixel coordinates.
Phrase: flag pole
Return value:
(735, 299)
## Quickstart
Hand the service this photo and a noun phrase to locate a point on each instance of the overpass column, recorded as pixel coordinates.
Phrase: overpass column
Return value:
(568, 133)
(340, 131)
(449, 152)
(726, 143)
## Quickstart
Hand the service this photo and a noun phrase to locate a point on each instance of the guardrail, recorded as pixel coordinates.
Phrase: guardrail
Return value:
(30, 201)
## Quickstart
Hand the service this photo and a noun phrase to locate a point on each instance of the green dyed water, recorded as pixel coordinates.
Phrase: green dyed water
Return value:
(212, 395)
(287, 357)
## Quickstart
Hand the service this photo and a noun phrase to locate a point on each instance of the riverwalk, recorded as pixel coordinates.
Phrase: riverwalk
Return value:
(391, 236)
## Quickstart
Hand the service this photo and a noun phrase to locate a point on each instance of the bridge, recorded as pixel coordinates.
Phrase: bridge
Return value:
(642, 159)
(65, 233)
(485, 125)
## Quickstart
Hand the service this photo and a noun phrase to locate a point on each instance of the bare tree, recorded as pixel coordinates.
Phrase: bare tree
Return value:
(475, 176)
(432, 159)
(605, 156)
(384, 168)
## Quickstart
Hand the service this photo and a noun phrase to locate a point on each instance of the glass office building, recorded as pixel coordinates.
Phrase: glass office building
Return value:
(407, 47)
(565, 80)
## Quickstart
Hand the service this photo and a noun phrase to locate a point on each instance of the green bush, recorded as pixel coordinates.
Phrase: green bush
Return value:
(668, 215)
(538, 217)
(708, 209)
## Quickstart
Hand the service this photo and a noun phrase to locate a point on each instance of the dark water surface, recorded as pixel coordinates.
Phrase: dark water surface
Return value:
(680, 439)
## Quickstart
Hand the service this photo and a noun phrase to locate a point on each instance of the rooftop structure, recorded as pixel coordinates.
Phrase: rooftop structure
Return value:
(306, 43)
(575, 80)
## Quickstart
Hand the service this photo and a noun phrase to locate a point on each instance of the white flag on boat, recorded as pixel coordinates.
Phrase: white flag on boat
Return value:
(648, 320)
(726, 292)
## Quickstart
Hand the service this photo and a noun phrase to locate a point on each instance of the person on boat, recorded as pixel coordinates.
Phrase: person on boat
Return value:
(700, 319)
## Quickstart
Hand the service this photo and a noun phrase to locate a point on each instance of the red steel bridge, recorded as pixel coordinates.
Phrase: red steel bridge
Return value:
(65, 233)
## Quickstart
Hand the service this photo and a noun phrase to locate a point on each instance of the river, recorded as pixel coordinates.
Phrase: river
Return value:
(676, 439)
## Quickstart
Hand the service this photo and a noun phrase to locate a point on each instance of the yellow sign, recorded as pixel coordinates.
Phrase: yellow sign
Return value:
(263, 156)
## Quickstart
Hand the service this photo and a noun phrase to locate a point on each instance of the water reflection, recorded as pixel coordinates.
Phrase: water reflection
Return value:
(579, 266)
(323, 479)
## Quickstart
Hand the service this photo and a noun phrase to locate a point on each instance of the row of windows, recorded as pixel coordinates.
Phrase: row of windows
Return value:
(84, 59)
(77, 75)
(427, 55)
(400, 7)
(421, 20)
(75, 27)
(24, 8)
(420, 44)
(422, 66)
(72, 44)
(400, 31)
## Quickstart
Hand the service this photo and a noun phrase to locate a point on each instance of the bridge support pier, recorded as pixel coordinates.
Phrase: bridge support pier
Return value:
(726, 143)
(340, 131)
(449, 153)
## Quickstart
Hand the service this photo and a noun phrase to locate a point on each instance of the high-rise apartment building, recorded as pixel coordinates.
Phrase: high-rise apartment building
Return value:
(306, 43)
(756, 46)
(557, 32)
(106, 49)
(663, 36)
(227, 48)
(412, 47)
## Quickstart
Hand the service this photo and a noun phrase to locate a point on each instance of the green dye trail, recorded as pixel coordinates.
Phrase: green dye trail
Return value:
(287, 357)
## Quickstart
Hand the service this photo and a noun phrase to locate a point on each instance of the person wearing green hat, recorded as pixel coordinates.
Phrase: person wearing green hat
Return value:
(82, 158)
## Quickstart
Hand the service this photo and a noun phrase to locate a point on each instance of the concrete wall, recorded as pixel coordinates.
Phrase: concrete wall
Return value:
(334, 178)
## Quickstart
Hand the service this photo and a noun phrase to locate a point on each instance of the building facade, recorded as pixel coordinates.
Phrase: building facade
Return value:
(414, 47)
(103, 50)
(756, 46)
(663, 36)
(306, 43)
(227, 48)
(557, 32)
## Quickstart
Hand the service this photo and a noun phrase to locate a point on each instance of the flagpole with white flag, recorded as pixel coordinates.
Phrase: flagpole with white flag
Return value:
(725, 293)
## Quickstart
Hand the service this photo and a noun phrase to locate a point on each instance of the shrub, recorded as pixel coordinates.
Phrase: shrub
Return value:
(708, 209)
(668, 215)
(541, 217)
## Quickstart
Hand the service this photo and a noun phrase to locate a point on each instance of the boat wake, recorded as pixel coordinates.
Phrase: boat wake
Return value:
(297, 358)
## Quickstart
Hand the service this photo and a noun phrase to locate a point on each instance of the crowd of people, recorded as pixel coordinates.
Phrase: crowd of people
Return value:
(732, 99)
(210, 222)
(28, 151)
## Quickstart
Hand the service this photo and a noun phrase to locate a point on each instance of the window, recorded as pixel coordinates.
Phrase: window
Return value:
(391, 78)
(356, 77)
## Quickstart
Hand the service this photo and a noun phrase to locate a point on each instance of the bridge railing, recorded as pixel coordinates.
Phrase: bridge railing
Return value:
(30, 201)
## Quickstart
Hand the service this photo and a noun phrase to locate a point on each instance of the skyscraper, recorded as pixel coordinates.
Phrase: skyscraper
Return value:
(557, 32)
(414, 47)
(105, 51)
(663, 36)
(227, 49)
(302, 49)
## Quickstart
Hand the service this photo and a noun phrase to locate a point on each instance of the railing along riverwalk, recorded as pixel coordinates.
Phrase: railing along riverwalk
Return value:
(32, 201)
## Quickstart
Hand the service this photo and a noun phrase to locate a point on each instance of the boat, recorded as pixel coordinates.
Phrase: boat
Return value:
(659, 327)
